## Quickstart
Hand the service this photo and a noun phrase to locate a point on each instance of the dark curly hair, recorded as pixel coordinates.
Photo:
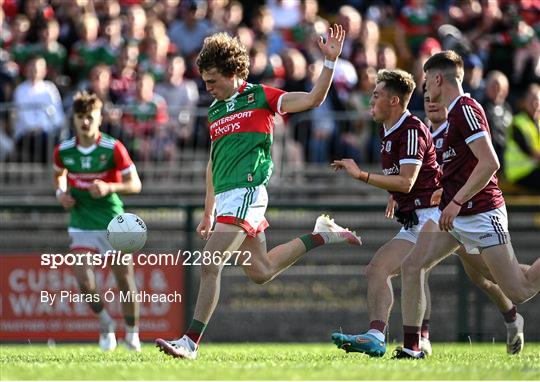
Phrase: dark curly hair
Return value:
(84, 102)
(224, 53)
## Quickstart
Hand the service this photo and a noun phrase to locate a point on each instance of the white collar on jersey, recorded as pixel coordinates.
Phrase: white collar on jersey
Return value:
(86, 150)
(440, 129)
(456, 99)
(398, 123)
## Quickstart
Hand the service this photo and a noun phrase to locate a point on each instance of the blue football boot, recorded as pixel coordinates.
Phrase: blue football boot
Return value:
(360, 343)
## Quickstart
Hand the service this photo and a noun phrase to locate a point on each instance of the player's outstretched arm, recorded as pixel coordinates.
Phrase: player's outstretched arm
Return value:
(487, 166)
(205, 226)
(294, 102)
(402, 182)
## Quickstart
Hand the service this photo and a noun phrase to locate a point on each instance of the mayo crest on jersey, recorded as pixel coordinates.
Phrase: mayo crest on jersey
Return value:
(241, 130)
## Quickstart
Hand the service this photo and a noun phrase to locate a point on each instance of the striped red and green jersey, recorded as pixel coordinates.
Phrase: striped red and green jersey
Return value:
(241, 130)
(107, 160)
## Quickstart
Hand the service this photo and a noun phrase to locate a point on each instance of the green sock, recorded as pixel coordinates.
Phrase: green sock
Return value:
(312, 240)
(195, 330)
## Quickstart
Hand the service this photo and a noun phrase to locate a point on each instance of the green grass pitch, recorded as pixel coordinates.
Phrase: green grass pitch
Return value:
(266, 362)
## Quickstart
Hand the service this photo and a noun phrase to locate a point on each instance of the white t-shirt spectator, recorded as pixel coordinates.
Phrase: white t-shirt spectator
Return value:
(39, 107)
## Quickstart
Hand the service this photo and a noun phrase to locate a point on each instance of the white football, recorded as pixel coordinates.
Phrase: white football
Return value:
(127, 233)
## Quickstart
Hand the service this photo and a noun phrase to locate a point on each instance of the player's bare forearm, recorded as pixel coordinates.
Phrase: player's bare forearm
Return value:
(331, 48)
(479, 179)
(209, 200)
(402, 182)
(60, 180)
(399, 183)
(486, 167)
(131, 184)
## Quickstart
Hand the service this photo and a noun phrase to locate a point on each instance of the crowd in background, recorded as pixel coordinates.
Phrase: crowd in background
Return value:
(139, 57)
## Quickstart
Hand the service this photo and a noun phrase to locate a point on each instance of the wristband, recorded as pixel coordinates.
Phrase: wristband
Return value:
(455, 202)
(59, 192)
(329, 64)
(367, 178)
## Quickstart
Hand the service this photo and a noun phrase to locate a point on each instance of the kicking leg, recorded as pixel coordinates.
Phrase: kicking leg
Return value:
(518, 285)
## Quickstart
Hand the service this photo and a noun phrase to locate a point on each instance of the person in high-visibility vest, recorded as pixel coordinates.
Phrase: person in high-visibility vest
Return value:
(522, 155)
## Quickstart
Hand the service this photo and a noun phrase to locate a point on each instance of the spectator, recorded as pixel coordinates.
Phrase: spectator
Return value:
(87, 52)
(124, 73)
(386, 57)
(145, 123)
(155, 61)
(263, 26)
(473, 82)
(188, 33)
(417, 21)
(498, 111)
(18, 48)
(136, 24)
(351, 20)
(39, 113)
(54, 53)
(522, 155)
(111, 41)
(181, 96)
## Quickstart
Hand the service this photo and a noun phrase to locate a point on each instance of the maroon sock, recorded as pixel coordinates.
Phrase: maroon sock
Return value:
(411, 337)
(511, 315)
(425, 329)
(195, 330)
(378, 325)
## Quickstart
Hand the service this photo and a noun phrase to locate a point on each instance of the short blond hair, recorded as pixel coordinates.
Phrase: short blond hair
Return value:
(397, 82)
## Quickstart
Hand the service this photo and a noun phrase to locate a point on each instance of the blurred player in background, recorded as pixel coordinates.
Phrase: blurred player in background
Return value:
(475, 268)
(411, 176)
(241, 122)
(91, 169)
(472, 212)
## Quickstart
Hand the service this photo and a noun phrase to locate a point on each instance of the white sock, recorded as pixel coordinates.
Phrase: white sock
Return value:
(377, 334)
(104, 317)
(132, 333)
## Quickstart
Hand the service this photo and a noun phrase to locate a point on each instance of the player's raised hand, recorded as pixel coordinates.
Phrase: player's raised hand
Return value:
(204, 229)
(99, 189)
(331, 47)
(390, 207)
(66, 200)
(349, 165)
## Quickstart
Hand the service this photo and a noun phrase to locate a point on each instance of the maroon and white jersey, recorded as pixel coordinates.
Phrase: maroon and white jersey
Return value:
(438, 141)
(409, 142)
(466, 123)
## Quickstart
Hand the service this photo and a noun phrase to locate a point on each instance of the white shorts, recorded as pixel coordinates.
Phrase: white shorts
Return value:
(411, 234)
(244, 207)
(476, 232)
(85, 241)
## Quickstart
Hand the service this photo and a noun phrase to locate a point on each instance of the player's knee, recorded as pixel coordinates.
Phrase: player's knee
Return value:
(261, 277)
(376, 271)
(411, 266)
(518, 296)
(210, 271)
